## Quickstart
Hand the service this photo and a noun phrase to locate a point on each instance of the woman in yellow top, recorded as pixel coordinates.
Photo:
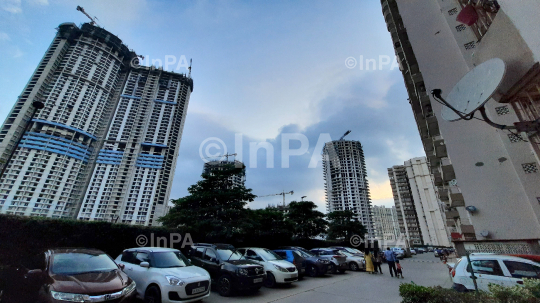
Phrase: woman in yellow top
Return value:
(369, 262)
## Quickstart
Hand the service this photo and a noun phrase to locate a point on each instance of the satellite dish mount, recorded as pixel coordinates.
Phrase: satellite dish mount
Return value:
(473, 91)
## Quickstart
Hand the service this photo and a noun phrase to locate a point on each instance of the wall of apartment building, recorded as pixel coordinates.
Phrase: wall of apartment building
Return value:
(385, 223)
(428, 207)
(489, 168)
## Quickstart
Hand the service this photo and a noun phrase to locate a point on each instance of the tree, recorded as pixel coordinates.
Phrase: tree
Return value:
(214, 208)
(270, 224)
(343, 225)
(307, 222)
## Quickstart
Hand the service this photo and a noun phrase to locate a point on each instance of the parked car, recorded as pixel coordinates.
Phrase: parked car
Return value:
(338, 260)
(413, 251)
(399, 252)
(355, 262)
(430, 249)
(491, 268)
(278, 270)
(229, 269)
(315, 266)
(420, 250)
(349, 250)
(296, 258)
(77, 275)
(164, 275)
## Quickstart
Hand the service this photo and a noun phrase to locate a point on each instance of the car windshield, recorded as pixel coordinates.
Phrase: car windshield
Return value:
(227, 254)
(168, 259)
(348, 254)
(305, 254)
(80, 263)
(268, 254)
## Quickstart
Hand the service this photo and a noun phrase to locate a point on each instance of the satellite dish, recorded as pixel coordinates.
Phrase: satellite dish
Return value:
(484, 233)
(474, 89)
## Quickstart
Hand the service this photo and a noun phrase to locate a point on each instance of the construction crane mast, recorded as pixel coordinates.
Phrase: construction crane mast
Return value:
(92, 20)
(346, 133)
(283, 193)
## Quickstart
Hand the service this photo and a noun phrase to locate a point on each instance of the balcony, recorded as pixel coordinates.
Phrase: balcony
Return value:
(450, 223)
(467, 229)
(437, 179)
(443, 194)
(451, 214)
(455, 197)
(447, 170)
(480, 15)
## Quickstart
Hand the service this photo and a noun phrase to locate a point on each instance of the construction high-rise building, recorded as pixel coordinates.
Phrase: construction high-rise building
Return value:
(405, 206)
(105, 145)
(238, 179)
(385, 223)
(487, 177)
(346, 183)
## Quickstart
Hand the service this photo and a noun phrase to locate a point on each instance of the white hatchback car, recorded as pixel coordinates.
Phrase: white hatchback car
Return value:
(277, 270)
(491, 268)
(164, 275)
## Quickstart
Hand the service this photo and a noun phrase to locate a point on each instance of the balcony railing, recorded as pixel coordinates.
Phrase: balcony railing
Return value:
(485, 11)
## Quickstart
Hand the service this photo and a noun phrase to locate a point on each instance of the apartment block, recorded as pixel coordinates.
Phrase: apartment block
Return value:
(236, 179)
(407, 216)
(385, 223)
(105, 145)
(346, 183)
(487, 178)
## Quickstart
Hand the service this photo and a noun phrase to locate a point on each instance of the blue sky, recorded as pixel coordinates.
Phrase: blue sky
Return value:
(260, 69)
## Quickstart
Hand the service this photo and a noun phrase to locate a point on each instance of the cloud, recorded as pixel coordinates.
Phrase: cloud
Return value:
(39, 2)
(4, 37)
(12, 6)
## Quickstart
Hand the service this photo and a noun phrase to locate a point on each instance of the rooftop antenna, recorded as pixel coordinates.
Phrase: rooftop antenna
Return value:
(92, 20)
(346, 133)
(473, 91)
(190, 61)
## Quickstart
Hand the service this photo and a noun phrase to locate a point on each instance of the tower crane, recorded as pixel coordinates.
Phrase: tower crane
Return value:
(92, 20)
(346, 133)
(221, 156)
(283, 193)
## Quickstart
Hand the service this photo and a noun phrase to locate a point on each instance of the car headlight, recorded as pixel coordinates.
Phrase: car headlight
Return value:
(280, 268)
(243, 271)
(129, 288)
(173, 280)
(64, 296)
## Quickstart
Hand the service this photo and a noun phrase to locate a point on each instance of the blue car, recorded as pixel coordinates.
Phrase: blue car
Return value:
(305, 262)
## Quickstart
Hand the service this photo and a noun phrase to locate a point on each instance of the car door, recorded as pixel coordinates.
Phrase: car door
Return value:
(252, 255)
(210, 262)
(488, 271)
(519, 270)
(131, 261)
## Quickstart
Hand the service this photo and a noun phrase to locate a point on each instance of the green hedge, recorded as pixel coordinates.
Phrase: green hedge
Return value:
(529, 293)
(22, 237)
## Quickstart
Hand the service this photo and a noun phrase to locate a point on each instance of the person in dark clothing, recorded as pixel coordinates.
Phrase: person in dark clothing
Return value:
(377, 260)
(391, 260)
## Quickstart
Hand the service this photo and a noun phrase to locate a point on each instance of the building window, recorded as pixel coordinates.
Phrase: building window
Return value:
(530, 168)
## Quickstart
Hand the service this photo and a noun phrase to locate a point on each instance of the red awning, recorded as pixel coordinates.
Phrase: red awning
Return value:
(455, 235)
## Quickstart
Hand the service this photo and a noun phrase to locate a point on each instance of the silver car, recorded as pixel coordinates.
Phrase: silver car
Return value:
(355, 262)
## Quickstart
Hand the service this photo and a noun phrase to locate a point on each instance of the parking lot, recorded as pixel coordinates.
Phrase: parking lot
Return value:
(423, 269)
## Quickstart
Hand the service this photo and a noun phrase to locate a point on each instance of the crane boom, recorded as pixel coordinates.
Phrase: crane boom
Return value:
(92, 21)
(283, 193)
(346, 133)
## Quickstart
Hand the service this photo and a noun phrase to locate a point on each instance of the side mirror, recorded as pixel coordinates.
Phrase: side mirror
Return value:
(34, 274)
(144, 264)
(122, 266)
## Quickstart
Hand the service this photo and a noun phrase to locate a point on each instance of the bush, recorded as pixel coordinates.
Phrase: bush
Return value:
(529, 293)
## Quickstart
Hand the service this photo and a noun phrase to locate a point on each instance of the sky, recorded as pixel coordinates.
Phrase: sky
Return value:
(263, 72)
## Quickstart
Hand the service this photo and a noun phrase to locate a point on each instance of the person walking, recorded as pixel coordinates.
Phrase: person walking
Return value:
(391, 260)
(377, 260)
(369, 262)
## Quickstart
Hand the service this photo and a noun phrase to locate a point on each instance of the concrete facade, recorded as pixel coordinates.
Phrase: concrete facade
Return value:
(385, 223)
(474, 164)
(429, 209)
(346, 183)
(105, 145)
(405, 206)
(236, 180)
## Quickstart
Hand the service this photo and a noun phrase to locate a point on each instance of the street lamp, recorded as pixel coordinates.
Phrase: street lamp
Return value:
(37, 105)
(303, 198)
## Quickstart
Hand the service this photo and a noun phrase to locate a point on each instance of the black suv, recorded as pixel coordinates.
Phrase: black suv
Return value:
(229, 270)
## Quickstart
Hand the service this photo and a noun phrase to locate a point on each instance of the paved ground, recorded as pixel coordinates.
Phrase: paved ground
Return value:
(423, 269)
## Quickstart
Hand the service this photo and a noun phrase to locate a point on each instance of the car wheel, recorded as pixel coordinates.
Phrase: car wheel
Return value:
(225, 286)
(270, 280)
(353, 266)
(332, 268)
(312, 271)
(152, 295)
